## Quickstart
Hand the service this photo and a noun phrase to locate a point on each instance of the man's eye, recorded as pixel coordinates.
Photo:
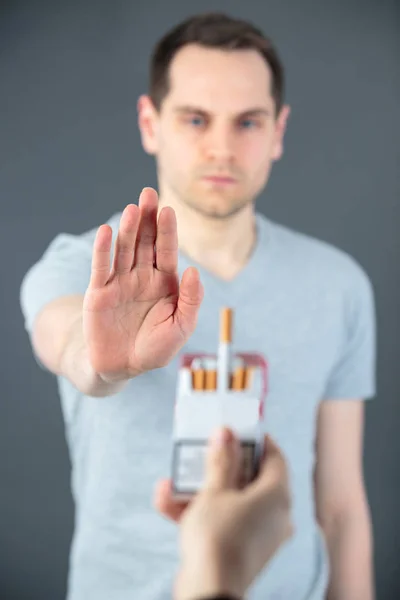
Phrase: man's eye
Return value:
(196, 121)
(248, 124)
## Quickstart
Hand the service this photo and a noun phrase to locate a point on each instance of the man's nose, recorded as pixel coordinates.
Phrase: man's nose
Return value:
(219, 144)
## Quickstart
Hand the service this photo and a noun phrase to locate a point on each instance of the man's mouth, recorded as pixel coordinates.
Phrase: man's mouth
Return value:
(220, 179)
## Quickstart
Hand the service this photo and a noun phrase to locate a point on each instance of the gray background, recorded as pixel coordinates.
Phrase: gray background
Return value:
(70, 156)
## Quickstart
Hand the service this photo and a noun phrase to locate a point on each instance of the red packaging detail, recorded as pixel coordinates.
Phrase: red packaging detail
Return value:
(250, 360)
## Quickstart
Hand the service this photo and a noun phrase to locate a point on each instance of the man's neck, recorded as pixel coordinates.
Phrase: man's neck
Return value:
(222, 246)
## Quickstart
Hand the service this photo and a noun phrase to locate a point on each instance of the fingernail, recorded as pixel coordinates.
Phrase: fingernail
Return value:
(221, 438)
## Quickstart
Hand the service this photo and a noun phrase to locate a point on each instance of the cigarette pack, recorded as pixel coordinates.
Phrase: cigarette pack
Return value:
(213, 390)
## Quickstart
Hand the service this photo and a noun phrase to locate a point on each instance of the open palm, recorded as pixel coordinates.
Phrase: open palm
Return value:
(136, 314)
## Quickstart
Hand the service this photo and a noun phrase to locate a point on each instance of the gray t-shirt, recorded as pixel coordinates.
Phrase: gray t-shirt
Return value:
(309, 308)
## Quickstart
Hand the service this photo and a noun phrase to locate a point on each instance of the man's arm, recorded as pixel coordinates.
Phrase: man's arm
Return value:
(342, 506)
(58, 341)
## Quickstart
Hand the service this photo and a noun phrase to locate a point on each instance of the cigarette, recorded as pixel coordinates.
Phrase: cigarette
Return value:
(211, 379)
(248, 376)
(224, 350)
(210, 367)
(198, 374)
(238, 378)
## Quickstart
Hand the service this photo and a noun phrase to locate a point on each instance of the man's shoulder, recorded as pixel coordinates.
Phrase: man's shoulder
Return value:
(81, 239)
(113, 221)
(309, 254)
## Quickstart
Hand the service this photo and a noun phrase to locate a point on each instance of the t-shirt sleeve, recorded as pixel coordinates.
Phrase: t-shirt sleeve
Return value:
(354, 373)
(63, 269)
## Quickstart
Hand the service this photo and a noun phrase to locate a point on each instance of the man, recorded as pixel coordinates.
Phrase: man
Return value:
(215, 120)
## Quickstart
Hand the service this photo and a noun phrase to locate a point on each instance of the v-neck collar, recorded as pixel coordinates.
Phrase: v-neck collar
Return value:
(256, 263)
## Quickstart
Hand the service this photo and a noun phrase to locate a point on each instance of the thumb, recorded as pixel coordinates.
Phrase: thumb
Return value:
(191, 294)
(222, 461)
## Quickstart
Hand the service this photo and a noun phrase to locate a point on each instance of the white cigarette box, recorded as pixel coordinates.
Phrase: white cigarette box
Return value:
(199, 412)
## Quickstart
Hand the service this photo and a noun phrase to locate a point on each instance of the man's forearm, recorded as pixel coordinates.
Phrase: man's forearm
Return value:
(350, 546)
(75, 366)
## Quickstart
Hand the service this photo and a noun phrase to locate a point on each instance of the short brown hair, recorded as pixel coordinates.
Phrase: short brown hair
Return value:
(212, 30)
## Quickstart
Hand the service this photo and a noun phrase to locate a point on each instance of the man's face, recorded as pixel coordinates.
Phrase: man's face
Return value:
(216, 134)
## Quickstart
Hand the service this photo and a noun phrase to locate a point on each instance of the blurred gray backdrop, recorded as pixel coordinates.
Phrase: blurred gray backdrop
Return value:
(70, 156)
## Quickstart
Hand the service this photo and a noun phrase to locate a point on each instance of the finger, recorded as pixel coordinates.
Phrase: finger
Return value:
(146, 236)
(126, 240)
(222, 461)
(272, 477)
(190, 297)
(165, 503)
(100, 270)
(273, 462)
(167, 241)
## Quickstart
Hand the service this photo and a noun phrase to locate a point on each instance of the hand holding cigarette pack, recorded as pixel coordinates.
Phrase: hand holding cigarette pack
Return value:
(225, 389)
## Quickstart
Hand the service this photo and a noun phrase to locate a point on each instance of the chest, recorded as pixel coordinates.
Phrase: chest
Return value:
(300, 342)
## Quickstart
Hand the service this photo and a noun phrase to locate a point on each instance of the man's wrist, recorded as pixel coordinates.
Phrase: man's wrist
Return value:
(211, 581)
(219, 597)
(75, 366)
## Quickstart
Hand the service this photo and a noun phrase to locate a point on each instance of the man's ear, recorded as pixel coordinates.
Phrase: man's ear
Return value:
(147, 122)
(280, 129)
